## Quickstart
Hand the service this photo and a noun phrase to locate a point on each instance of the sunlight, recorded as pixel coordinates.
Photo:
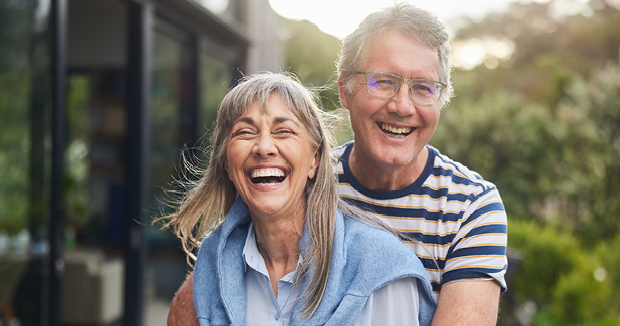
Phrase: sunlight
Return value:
(469, 54)
(341, 17)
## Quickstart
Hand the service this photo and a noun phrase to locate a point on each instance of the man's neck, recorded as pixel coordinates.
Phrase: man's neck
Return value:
(381, 177)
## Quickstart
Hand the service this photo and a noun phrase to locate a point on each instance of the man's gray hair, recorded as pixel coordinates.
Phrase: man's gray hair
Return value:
(418, 23)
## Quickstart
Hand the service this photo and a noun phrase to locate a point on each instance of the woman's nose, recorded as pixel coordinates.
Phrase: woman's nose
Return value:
(265, 146)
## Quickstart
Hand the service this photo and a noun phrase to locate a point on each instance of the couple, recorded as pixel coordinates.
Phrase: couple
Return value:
(290, 252)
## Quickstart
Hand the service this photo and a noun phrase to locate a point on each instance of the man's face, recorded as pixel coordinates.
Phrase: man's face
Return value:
(391, 132)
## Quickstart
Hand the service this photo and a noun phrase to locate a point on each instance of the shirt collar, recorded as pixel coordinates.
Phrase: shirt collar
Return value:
(253, 259)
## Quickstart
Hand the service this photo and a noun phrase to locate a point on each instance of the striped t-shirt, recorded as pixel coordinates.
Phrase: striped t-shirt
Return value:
(457, 218)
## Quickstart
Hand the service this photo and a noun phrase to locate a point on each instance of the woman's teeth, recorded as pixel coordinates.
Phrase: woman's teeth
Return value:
(267, 177)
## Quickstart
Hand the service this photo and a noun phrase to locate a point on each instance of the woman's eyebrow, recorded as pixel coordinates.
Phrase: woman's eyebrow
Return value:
(278, 120)
(247, 120)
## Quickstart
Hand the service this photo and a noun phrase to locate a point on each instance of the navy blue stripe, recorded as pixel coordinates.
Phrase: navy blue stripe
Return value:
(401, 212)
(488, 229)
(433, 239)
(491, 207)
(457, 179)
(429, 263)
(479, 251)
(442, 193)
(412, 188)
(470, 273)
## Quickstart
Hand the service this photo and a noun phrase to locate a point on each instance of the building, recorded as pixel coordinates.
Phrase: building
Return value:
(97, 100)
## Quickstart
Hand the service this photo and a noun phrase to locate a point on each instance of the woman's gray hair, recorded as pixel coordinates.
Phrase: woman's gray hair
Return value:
(418, 23)
(206, 201)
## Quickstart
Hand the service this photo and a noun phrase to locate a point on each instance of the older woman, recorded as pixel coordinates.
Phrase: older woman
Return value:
(279, 249)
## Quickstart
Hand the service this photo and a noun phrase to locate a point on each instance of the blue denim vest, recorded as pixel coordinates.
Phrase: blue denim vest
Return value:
(364, 259)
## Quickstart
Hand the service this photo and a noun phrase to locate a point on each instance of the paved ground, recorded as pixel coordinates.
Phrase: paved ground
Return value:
(157, 312)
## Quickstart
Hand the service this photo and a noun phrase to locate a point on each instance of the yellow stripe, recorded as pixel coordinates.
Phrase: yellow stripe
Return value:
(486, 234)
(405, 207)
(473, 266)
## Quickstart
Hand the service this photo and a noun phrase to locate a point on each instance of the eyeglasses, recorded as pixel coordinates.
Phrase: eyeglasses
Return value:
(383, 84)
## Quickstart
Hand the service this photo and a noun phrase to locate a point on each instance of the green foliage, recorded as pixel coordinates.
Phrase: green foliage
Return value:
(545, 128)
(76, 183)
(23, 58)
(14, 147)
(547, 254)
(541, 160)
(312, 55)
(569, 284)
(550, 46)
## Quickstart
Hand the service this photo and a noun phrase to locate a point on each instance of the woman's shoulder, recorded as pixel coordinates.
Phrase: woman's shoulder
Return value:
(370, 244)
(361, 231)
(366, 258)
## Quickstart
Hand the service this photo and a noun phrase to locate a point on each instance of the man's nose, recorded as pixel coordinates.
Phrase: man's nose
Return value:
(401, 103)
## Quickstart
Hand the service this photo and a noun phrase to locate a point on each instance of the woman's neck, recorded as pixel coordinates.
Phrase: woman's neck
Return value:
(278, 243)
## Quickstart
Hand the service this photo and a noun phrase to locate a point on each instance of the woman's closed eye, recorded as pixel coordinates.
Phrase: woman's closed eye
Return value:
(243, 133)
(284, 132)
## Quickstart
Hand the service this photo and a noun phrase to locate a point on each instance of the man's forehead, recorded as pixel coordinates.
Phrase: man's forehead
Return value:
(399, 53)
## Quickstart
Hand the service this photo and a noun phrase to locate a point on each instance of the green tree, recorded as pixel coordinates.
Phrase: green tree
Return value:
(312, 54)
(545, 127)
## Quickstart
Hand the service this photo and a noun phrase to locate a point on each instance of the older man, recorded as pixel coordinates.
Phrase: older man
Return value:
(394, 78)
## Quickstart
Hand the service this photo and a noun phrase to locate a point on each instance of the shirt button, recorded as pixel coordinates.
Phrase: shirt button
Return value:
(278, 317)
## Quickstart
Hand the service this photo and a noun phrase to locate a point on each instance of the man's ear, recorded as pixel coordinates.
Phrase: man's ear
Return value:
(314, 165)
(342, 92)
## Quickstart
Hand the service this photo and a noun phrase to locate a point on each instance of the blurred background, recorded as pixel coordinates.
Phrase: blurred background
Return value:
(99, 99)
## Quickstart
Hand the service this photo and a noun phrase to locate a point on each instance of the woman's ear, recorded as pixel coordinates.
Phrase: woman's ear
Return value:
(226, 168)
(314, 165)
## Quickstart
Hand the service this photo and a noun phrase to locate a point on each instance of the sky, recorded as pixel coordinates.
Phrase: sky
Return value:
(340, 17)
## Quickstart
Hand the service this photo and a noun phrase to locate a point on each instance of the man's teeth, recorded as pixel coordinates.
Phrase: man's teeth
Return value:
(267, 173)
(395, 130)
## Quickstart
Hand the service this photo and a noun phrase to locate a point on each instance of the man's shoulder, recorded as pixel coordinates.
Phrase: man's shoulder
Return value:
(339, 151)
(452, 173)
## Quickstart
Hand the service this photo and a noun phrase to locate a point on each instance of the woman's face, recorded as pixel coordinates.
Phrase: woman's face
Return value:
(270, 158)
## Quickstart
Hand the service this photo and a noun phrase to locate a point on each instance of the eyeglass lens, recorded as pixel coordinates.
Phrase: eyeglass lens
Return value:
(386, 85)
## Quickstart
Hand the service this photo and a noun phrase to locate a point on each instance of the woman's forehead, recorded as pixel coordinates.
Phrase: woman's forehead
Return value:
(272, 105)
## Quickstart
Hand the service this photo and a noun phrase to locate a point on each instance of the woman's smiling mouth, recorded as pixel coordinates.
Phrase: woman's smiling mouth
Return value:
(267, 177)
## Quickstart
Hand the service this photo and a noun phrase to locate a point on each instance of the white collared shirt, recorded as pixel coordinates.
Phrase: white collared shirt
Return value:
(395, 304)
(263, 308)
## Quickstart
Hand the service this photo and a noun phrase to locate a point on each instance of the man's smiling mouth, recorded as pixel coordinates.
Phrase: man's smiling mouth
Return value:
(394, 131)
(267, 177)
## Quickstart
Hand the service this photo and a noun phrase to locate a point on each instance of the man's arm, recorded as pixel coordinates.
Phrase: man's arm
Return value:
(466, 303)
(182, 310)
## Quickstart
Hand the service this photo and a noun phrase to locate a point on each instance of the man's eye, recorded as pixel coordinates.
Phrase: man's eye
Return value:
(422, 88)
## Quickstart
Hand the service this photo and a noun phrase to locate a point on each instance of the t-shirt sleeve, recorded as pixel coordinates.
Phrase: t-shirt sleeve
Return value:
(479, 248)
